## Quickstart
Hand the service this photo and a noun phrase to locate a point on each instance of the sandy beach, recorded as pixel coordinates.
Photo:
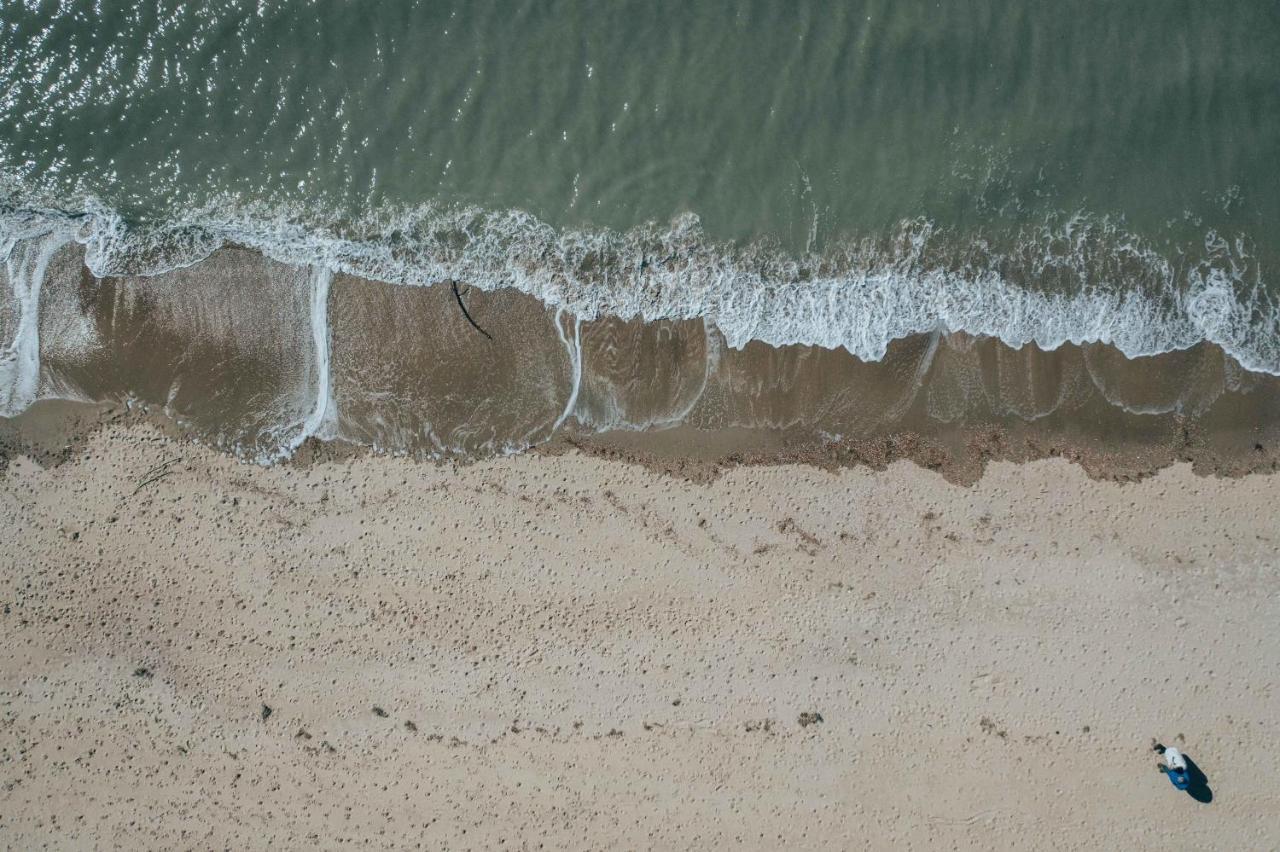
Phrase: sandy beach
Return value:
(563, 651)
(668, 425)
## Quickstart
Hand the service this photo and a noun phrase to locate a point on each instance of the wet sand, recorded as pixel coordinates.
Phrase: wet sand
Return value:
(575, 651)
(761, 596)
(255, 357)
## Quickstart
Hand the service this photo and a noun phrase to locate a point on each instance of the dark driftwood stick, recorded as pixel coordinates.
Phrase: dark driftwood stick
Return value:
(156, 478)
(156, 473)
(162, 466)
(458, 296)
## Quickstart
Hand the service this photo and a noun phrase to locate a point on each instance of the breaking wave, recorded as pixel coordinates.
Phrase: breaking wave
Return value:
(1071, 279)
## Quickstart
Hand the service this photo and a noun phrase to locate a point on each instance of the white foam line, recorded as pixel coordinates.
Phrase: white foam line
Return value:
(711, 364)
(20, 360)
(575, 358)
(897, 409)
(322, 412)
(865, 295)
(862, 309)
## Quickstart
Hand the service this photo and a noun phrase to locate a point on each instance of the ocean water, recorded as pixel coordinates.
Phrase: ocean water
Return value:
(712, 213)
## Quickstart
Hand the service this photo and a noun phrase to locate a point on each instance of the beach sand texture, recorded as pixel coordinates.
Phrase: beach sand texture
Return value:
(561, 651)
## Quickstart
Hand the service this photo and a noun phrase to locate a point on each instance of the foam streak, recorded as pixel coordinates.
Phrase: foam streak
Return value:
(575, 359)
(1108, 285)
(322, 415)
(26, 264)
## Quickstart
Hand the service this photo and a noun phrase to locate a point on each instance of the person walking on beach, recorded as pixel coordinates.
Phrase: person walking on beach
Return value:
(1174, 765)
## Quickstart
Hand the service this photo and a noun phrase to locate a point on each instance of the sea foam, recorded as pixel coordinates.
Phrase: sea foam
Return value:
(1072, 279)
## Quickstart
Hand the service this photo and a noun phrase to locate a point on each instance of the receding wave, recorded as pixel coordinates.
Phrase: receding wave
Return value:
(262, 346)
(1071, 279)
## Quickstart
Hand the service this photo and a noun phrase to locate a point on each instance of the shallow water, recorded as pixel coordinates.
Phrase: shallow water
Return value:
(257, 356)
(726, 214)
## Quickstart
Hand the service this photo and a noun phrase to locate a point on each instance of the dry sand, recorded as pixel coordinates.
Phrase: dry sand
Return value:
(574, 652)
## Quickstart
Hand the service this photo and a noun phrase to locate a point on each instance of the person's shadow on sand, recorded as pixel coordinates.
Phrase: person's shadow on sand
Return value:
(1198, 782)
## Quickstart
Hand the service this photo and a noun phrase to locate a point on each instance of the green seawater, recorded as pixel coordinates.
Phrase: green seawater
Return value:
(1064, 147)
(760, 117)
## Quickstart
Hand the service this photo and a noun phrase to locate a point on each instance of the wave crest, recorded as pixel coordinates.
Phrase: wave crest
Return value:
(1071, 279)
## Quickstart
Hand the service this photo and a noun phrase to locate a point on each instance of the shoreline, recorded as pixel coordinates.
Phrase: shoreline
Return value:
(860, 295)
(659, 425)
(259, 358)
(567, 649)
(51, 431)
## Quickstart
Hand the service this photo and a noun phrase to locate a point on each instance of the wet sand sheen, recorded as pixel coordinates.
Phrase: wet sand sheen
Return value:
(256, 357)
